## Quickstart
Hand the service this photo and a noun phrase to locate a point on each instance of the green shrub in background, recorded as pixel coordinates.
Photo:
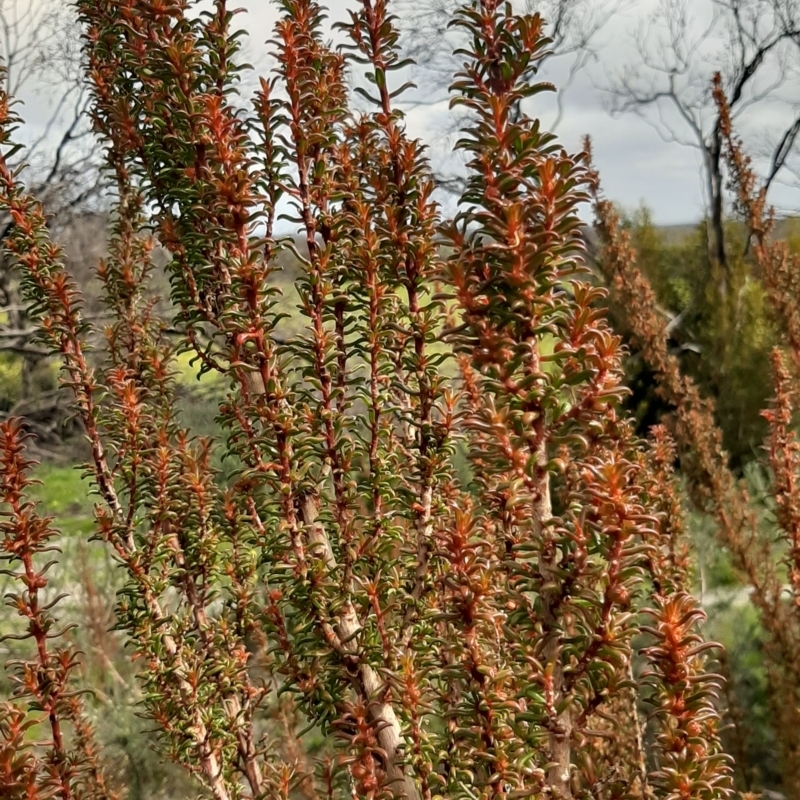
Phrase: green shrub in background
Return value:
(720, 329)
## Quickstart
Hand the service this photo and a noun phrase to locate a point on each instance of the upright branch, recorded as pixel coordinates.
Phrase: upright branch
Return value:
(680, 691)
(47, 745)
(778, 269)
(559, 492)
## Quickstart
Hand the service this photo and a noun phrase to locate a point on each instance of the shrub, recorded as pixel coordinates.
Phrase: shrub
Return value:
(341, 612)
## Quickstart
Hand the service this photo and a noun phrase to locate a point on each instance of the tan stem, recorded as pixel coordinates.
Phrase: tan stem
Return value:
(388, 729)
(559, 773)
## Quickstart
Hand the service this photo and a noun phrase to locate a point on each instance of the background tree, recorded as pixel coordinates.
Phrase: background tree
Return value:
(754, 45)
(40, 47)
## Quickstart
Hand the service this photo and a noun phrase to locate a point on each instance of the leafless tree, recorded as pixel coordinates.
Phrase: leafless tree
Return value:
(574, 26)
(40, 54)
(753, 44)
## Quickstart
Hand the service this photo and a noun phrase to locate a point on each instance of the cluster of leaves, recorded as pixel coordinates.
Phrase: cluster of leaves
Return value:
(451, 636)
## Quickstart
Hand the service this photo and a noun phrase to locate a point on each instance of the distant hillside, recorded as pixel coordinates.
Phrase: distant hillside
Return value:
(785, 228)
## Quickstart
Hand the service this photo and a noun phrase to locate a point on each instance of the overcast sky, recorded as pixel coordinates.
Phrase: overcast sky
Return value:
(637, 166)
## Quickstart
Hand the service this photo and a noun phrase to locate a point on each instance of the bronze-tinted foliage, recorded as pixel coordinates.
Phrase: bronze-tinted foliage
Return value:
(449, 637)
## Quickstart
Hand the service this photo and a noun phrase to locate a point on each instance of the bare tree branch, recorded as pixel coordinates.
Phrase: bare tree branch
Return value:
(40, 51)
(754, 44)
